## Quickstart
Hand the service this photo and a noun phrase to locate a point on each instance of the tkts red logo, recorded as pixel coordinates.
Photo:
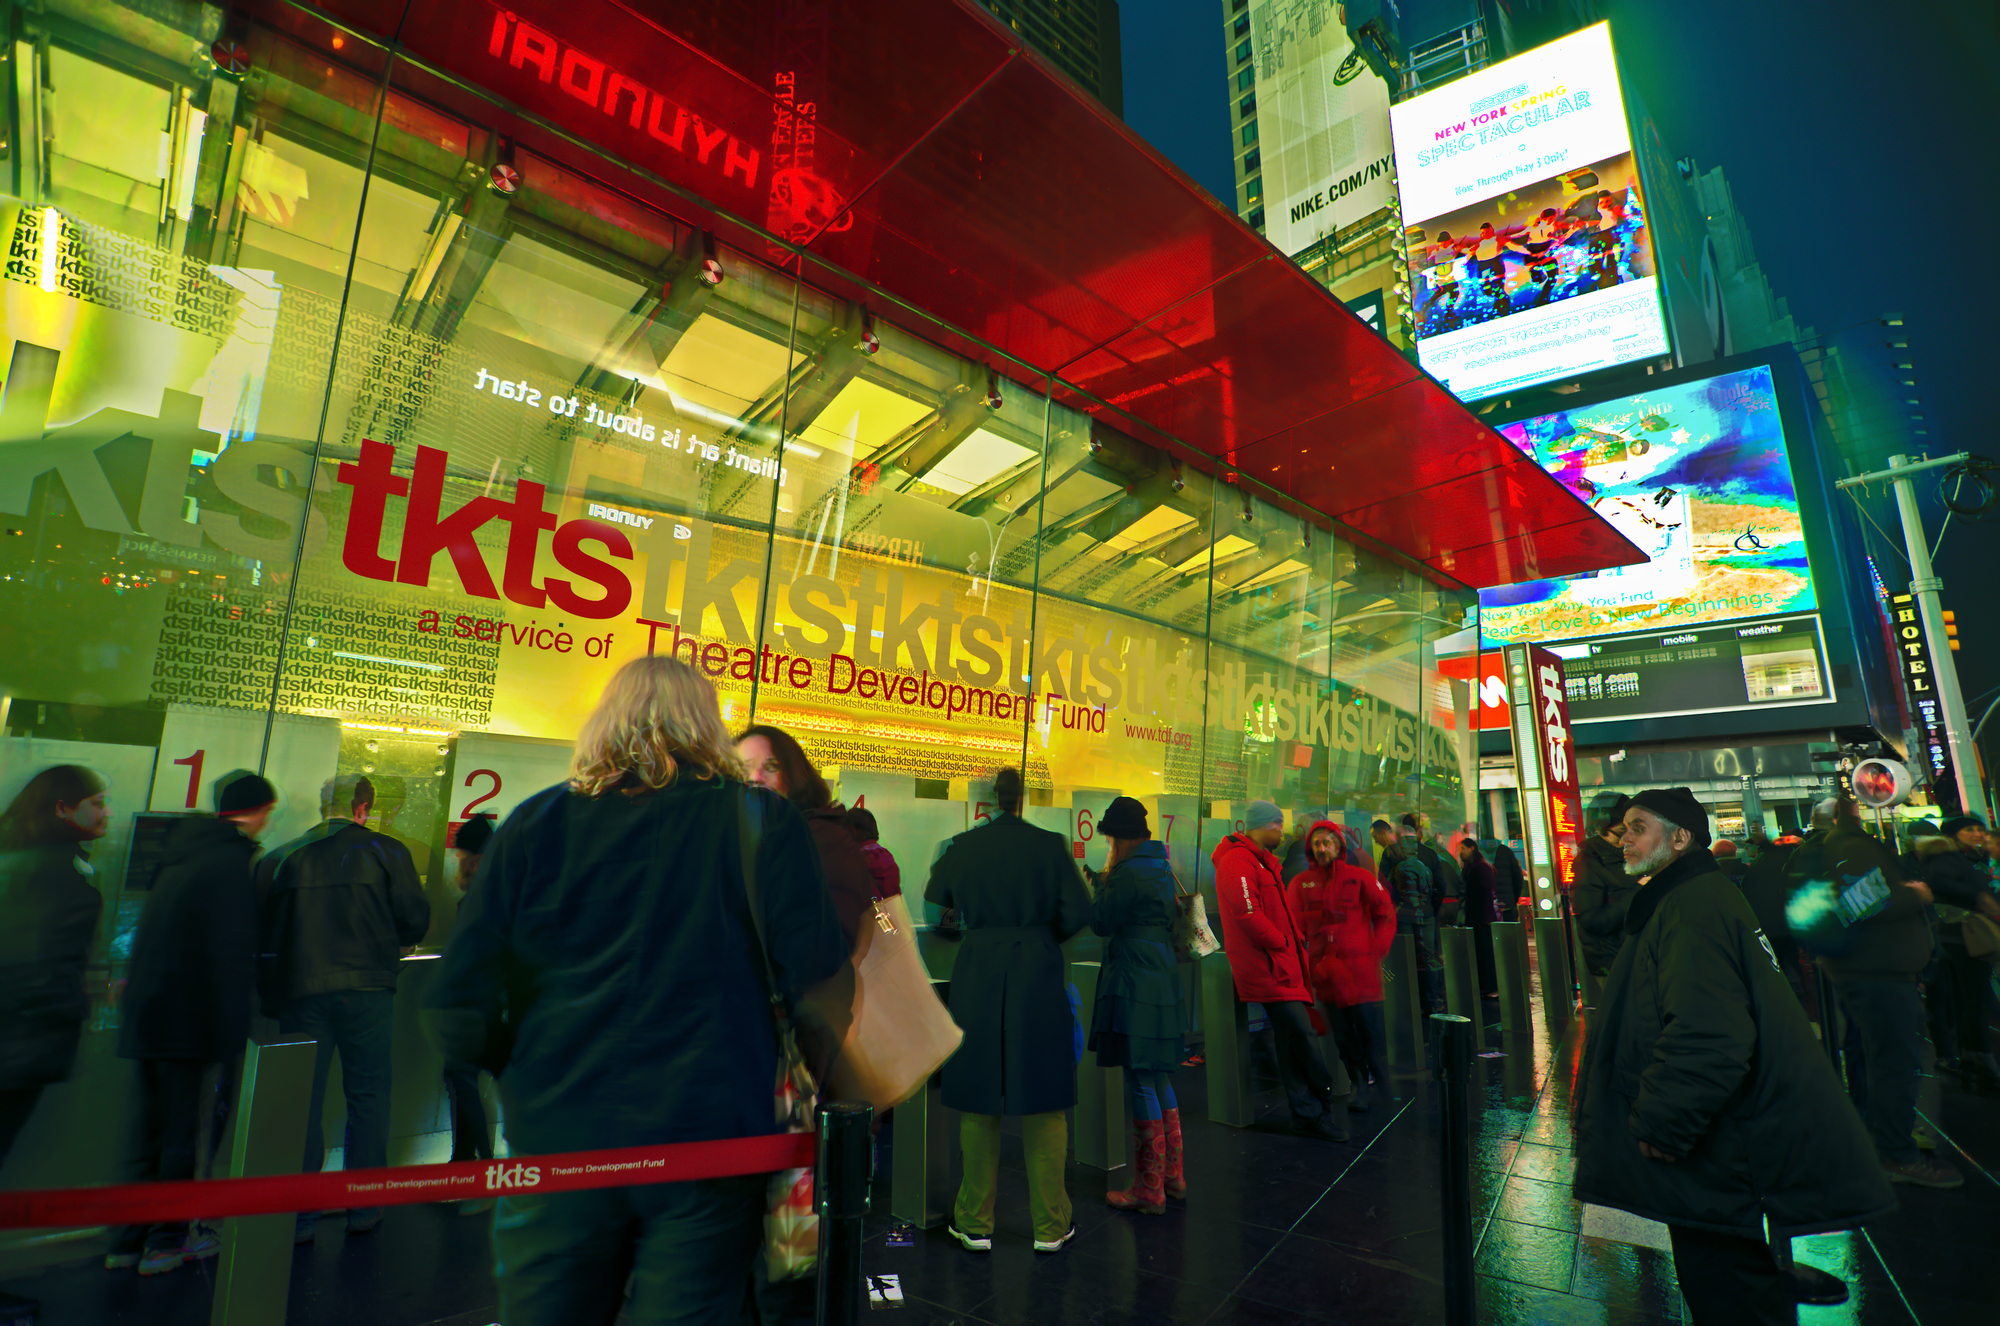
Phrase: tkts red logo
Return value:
(426, 534)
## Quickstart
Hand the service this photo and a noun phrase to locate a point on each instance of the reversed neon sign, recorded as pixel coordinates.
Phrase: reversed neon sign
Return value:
(595, 83)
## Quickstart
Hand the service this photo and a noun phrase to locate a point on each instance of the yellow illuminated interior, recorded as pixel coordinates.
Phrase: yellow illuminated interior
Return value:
(873, 413)
(982, 456)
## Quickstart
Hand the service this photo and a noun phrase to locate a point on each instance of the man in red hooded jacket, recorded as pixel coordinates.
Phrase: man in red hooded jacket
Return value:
(1349, 923)
(1267, 957)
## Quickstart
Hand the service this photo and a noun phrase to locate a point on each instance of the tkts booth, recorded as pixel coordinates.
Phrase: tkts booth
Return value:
(380, 377)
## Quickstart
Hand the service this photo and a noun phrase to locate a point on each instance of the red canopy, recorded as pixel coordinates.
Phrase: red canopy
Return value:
(916, 147)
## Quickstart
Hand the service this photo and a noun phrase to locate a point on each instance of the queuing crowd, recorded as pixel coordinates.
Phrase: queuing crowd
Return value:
(1709, 1100)
(628, 938)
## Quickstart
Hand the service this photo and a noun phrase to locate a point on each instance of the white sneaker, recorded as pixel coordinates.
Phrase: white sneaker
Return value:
(971, 1243)
(1056, 1244)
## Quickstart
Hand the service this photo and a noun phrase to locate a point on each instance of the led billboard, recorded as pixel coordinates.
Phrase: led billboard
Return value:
(1530, 254)
(1323, 118)
(1768, 663)
(1696, 475)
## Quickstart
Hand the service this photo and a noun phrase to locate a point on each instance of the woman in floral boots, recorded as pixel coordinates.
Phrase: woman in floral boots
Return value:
(1140, 1023)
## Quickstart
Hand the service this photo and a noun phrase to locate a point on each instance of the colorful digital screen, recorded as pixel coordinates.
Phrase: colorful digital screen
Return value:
(1697, 476)
(1530, 255)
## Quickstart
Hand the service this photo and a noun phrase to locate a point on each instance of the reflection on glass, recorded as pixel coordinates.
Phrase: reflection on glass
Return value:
(322, 456)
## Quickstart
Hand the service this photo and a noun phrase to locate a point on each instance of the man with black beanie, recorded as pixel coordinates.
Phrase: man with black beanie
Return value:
(1705, 1101)
(186, 1002)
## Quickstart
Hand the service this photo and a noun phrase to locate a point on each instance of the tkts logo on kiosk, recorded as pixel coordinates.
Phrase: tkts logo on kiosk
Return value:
(886, 632)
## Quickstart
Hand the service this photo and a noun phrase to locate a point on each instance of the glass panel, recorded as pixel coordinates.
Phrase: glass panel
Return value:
(172, 284)
(550, 450)
(1120, 655)
(901, 589)
(1272, 713)
(332, 449)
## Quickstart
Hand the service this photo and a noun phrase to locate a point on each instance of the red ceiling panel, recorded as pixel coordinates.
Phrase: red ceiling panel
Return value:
(1532, 556)
(917, 148)
(1012, 166)
(1412, 439)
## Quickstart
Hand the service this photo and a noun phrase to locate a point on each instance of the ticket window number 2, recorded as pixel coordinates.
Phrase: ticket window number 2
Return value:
(473, 779)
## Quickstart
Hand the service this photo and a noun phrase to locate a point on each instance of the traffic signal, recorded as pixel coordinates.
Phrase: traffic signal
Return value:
(1950, 629)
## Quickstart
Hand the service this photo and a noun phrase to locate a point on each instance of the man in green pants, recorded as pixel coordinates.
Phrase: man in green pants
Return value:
(1017, 891)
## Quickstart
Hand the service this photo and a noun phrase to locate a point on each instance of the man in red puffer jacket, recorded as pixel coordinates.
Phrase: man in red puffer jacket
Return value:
(1349, 923)
(1267, 956)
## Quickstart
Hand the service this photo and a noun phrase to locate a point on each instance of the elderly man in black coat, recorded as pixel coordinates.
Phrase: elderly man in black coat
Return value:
(1706, 1102)
(187, 1001)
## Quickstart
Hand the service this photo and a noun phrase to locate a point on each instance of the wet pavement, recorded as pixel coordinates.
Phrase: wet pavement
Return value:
(1276, 1228)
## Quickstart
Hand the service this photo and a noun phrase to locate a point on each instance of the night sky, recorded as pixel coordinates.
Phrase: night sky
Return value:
(1859, 143)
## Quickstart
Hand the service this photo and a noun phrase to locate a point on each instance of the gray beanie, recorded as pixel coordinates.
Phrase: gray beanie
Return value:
(1262, 813)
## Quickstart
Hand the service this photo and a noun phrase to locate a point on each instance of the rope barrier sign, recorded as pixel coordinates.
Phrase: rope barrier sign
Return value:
(403, 1185)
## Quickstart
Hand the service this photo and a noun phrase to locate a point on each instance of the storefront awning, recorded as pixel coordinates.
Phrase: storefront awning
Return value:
(917, 147)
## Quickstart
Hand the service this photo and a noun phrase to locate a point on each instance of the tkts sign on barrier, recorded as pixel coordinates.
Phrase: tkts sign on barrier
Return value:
(403, 1185)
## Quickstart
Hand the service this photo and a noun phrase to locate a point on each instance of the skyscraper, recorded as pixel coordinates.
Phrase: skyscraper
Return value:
(1080, 36)
(1242, 91)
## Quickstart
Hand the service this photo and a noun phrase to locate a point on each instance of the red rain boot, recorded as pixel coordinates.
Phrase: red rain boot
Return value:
(1149, 1157)
(1176, 1183)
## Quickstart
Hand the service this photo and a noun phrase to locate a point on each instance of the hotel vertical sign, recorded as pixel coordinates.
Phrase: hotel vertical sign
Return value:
(1926, 705)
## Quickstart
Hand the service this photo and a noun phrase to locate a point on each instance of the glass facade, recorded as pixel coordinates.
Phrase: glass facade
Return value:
(341, 436)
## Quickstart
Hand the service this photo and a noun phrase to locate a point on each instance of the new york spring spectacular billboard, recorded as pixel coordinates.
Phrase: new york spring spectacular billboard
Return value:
(1694, 474)
(1530, 255)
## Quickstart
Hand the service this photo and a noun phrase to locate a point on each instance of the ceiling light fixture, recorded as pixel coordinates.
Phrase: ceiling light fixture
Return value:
(503, 178)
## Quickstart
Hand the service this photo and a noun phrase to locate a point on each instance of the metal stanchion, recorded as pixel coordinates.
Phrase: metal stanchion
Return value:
(1098, 1132)
(1403, 1007)
(253, 1279)
(1510, 963)
(1552, 954)
(920, 1178)
(840, 1191)
(1454, 1069)
(1461, 979)
(1225, 1045)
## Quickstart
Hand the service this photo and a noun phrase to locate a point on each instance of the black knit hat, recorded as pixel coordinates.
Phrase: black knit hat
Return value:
(1952, 827)
(473, 835)
(1678, 805)
(240, 793)
(1610, 806)
(1125, 818)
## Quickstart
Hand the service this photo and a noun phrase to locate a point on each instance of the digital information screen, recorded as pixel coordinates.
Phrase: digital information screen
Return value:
(1764, 664)
(1530, 257)
(1696, 475)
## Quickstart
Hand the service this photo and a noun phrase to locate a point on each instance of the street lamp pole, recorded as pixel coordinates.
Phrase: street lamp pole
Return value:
(1924, 586)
